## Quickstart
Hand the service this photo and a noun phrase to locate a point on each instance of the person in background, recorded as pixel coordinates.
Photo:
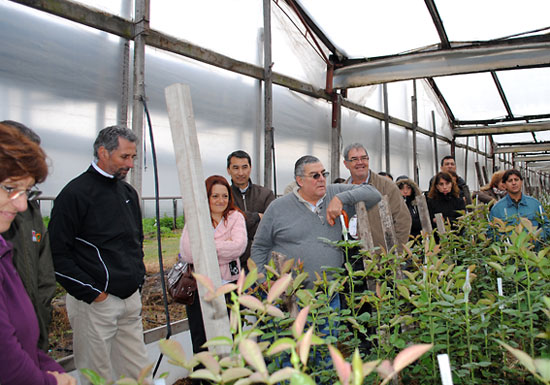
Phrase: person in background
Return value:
(448, 165)
(494, 190)
(516, 204)
(410, 191)
(444, 198)
(386, 174)
(251, 198)
(356, 161)
(231, 240)
(21, 361)
(32, 257)
(96, 238)
(338, 180)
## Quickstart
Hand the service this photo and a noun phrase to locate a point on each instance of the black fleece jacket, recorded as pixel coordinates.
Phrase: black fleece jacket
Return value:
(97, 237)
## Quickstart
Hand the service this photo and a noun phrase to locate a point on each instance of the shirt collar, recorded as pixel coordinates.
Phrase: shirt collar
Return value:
(99, 170)
(310, 206)
(367, 181)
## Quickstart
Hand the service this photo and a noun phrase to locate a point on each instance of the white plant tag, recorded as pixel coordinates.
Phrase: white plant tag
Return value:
(445, 369)
(500, 292)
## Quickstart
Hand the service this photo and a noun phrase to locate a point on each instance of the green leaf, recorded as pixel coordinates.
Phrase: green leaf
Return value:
(93, 377)
(299, 378)
(205, 374)
(523, 357)
(251, 302)
(496, 266)
(250, 279)
(281, 375)
(357, 368)
(304, 345)
(274, 311)
(126, 381)
(218, 341)
(209, 362)
(173, 350)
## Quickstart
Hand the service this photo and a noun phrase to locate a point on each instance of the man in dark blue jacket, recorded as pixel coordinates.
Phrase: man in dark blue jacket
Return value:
(97, 246)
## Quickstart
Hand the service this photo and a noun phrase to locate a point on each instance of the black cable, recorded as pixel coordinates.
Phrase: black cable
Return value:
(159, 245)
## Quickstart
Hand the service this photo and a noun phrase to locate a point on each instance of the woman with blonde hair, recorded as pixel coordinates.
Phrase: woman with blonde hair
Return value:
(494, 190)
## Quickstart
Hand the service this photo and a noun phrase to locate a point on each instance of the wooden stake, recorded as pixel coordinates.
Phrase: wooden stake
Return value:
(195, 206)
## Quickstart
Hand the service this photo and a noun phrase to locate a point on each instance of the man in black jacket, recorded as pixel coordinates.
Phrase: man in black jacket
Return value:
(251, 198)
(97, 246)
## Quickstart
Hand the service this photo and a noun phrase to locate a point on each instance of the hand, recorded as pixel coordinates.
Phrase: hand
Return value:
(63, 378)
(260, 215)
(101, 297)
(334, 209)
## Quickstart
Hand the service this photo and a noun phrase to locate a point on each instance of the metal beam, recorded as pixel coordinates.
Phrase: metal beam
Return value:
(452, 61)
(430, 4)
(527, 147)
(537, 158)
(501, 129)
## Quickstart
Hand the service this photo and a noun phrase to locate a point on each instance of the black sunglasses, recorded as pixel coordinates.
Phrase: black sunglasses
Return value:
(317, 175)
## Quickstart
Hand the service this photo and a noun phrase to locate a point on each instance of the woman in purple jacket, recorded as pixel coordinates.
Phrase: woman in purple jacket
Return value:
(23, 163)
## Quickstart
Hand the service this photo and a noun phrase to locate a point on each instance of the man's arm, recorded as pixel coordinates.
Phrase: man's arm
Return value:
(263, 241)
(64, 225)
(349, 195)
(402, 220)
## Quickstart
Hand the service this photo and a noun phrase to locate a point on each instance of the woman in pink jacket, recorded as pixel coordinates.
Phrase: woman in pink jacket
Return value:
(230, 237)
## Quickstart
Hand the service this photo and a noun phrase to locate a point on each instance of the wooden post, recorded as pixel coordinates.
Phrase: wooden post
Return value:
(436, 158)
(424, 214)
(440, 223)
(141, 28)
(386, 126)
(335, 137)
(175, 211)
(414, 107)
(196, 209)
(268, 100)
(390, 237)
(479, 174)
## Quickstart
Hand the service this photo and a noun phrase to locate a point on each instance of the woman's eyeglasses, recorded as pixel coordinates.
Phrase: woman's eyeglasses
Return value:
(14, 193)
(317, 175)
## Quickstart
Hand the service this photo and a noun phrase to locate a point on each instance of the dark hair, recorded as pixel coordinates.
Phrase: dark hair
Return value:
(384, 173)
(301, 163)
(29, 133)
(218, 179)
(511, 172)
(447, 157)
(108, 138)
(434, 192)
(338, 180)
(20, 157)
(238, 154)
(350, 147)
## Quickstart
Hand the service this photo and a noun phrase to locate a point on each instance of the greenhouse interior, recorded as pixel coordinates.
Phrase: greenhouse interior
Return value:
(412, 81)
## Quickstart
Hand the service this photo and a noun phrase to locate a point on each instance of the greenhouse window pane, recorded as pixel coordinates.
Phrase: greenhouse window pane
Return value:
(122, 8)
(374, 28)
(468, 20)
(231, 28)
(527, 91)
(472, 96)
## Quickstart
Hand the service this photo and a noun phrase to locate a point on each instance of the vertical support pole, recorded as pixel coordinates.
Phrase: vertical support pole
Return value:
(414, 106)
(141, 27)
(197, 211)
(175, 211)
(466, 159)
(435, 143)
(268, 97)
(336, 134)
(259, 119)
(122, 112)
(386, 126)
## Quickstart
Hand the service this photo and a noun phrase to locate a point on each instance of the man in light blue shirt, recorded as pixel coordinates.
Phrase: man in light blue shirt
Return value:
(516, 205)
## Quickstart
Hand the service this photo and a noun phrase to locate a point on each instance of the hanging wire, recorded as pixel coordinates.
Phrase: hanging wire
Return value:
(159, 244)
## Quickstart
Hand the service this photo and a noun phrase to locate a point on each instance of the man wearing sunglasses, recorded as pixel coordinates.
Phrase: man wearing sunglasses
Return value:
(356, 160)
(295, 224)
(32, 256)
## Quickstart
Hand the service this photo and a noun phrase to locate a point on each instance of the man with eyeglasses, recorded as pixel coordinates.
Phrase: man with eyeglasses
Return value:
(32, 256)
(97, 246)
(295, 224)
(356, 160)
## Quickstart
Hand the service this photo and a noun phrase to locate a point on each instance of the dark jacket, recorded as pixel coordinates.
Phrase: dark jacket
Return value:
(255, 200)
(32, 259)
(416, 226)
(96, 236)
(446, 205)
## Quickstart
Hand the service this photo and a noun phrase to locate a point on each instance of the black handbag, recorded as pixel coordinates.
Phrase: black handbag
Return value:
(182, 286)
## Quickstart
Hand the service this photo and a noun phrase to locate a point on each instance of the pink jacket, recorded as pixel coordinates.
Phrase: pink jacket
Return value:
(230, 237)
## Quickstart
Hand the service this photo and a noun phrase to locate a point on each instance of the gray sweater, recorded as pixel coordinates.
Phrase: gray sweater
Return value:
(290, 228)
